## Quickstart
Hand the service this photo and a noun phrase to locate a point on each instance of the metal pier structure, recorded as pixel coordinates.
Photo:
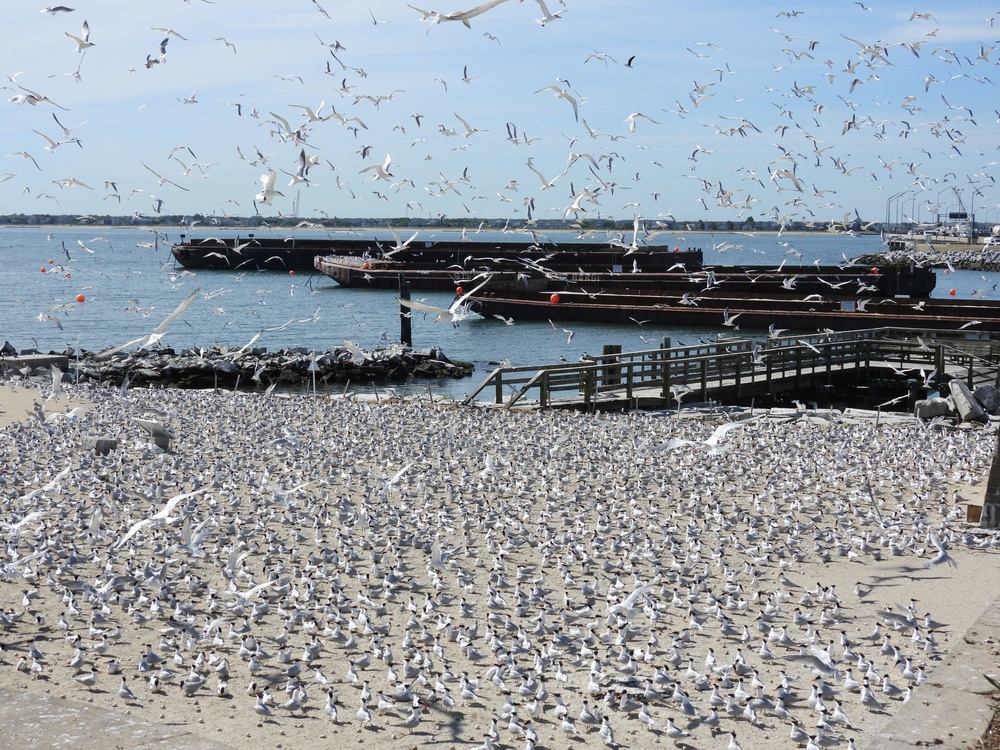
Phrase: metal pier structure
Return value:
(732, 371)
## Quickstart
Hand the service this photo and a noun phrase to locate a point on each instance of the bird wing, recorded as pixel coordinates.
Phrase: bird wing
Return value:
(159, 329)
(354, 349)
(414, 305)
(172, 503)
(180, 309)
(721, 430)
(399, 474)
(154, 428)
(132, 532)
(461, 300)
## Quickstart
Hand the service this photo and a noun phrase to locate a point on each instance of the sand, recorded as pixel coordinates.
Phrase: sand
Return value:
(372, 524)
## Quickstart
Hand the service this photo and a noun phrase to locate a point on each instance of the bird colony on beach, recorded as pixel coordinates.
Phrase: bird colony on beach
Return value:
(298, 569)
(813, 115)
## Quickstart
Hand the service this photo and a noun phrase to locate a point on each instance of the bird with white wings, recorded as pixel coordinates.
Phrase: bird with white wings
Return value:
(457, 311)
(267, 192)
(161, 518)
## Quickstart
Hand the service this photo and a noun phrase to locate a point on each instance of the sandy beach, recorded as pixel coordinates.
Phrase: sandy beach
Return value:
(459, 577)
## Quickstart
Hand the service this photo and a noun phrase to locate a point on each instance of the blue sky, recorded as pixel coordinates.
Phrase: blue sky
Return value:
(748, 105)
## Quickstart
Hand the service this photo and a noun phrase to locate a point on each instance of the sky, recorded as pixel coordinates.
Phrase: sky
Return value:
(715, 111)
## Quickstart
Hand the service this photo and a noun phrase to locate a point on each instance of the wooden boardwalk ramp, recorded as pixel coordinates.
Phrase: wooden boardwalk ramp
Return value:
(734, 370)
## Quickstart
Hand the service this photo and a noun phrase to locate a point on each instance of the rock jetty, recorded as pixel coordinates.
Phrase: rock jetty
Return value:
(962, 404)
(219, 367)
(964, 258)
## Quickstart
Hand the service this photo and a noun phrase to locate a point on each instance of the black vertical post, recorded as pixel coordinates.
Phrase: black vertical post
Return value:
(405, 329)
(612, 373)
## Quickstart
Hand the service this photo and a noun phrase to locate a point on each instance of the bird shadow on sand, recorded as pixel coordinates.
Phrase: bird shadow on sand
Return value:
(913, 574)
(449, 728)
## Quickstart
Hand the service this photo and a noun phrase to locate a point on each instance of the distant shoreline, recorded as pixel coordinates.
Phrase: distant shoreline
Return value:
(383, 228)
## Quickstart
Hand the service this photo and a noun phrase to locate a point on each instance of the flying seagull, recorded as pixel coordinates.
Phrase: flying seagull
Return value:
(455, 312)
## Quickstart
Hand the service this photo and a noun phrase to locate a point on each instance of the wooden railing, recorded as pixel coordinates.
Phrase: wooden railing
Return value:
(738, 363)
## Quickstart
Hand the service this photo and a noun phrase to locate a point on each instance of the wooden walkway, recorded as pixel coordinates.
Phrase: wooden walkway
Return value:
(732, 370)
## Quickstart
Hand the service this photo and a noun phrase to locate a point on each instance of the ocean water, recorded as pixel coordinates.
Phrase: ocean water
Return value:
(130, 284)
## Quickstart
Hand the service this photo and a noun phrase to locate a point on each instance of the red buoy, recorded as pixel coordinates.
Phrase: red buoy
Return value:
(951, 292)
(67, 275)
(677, 249)
(42, 269)
(875, 270)
(554, 299)
(459, 290)
(292, 272)
(51, 261)
(80, 298)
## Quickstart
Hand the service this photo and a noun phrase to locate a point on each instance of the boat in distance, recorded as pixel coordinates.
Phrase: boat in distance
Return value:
(834, 298)
(525, 266)
(735, 311)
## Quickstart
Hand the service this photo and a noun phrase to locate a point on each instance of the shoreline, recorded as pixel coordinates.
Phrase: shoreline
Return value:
(456, 229)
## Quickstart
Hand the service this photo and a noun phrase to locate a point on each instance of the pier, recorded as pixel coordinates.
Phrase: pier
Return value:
(734, 371)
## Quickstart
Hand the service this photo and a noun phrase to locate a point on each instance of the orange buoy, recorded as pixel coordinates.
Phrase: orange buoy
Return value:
(554, 299)
(80, 298)
(951, 292)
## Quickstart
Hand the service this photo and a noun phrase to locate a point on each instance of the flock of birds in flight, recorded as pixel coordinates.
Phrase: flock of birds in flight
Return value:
(785, 187)
(604, 582)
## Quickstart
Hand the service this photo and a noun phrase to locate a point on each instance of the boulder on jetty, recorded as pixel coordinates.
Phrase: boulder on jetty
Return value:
(969, 409)
(931, 408)
(962, 403)
(220, 367)
(989, 397)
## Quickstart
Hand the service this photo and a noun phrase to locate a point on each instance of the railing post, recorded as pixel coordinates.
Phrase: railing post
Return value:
(543, 389)
(704, 378)
(739, 372)
(769, 365)
(498, 393)
(612, 374)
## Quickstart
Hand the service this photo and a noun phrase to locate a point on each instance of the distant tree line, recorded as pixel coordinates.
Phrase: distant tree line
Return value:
(195, 221)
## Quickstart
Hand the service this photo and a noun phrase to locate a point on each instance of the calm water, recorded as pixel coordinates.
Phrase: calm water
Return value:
(233, 307)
